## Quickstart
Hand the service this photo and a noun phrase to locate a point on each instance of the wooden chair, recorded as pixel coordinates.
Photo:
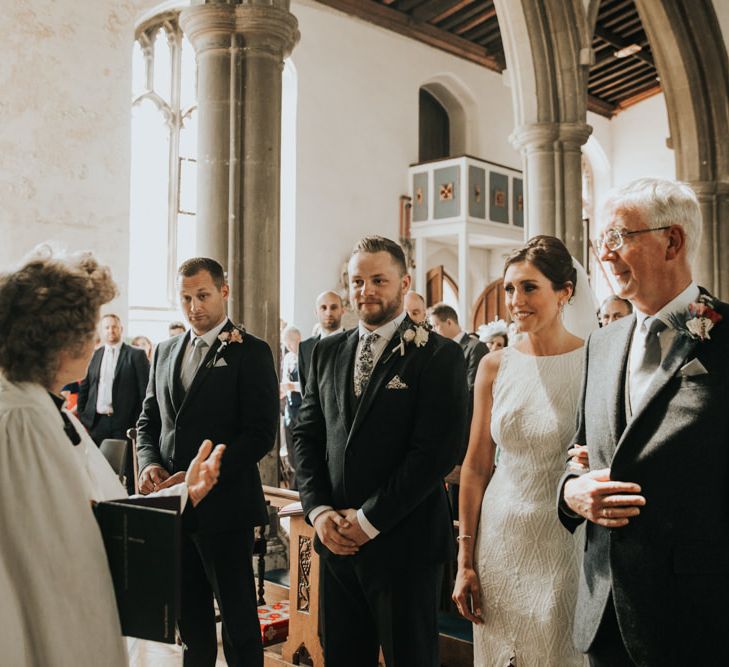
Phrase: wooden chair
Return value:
(115, 452)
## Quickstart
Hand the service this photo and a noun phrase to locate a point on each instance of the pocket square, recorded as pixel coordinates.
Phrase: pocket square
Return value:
(220, 363)
(692, 368)
(396, 383)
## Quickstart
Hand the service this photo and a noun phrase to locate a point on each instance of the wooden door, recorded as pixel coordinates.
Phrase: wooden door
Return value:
(490, 305)
(434, 285)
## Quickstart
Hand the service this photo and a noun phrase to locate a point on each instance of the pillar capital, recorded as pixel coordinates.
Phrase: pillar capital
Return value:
(546, 136)
(209, 26)
(271, 28)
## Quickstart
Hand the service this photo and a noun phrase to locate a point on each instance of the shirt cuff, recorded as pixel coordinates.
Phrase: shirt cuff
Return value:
(365, 525)
(319, 509)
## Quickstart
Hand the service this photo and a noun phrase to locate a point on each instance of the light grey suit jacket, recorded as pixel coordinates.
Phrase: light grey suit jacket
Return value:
(668, 570)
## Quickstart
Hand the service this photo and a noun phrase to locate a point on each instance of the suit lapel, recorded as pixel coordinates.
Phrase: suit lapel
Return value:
(618, 358)
(174, 382)
(379, 373)
(344, 367)
(681, 348)
(204, 369)
(121, 360)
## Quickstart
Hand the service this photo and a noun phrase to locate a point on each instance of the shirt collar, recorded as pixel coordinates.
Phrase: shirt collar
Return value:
(676, 306)
(211, 335)
(116, 347)
(386, 331)
(460, 336)
(324, 334)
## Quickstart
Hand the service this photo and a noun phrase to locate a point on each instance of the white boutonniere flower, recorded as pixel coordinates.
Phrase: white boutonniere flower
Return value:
(699, 320)
(414, 333)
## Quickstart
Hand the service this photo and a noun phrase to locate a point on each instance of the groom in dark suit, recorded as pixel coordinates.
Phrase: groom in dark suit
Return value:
(381, 424)
(655, 580)
(217, 381)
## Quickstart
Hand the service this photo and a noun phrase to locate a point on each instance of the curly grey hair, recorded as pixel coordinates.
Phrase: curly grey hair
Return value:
(49, 305)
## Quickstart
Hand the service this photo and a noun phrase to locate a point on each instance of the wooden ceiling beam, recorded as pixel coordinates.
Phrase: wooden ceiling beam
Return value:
(431, 9)
(476, 21)
(598, 106)
(391, 19)
(458, 19)
(614, 89)
(619, 43)
(626, 71)
(451, 10)
(638, 97)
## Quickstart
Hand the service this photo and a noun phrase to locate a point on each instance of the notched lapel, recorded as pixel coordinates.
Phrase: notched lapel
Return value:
(205, 367)
(344, 368)
(379, 373)
(620, 349)
(175, 362)
(681, 349)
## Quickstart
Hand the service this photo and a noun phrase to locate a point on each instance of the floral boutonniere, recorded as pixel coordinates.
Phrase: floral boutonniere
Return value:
(230, 337)
(699, 319)
(412, 333)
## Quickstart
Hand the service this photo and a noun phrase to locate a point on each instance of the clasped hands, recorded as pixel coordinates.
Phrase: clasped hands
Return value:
(201, 475)
(596, 497)
(340, 532)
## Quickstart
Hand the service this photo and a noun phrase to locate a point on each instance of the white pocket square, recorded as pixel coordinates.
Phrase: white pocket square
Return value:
(692, 368)
(396, 383)
(220, 363)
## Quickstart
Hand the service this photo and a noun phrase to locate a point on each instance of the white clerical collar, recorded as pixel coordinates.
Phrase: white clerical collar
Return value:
(676, 306)
(324, 334)
(458, 338)
(386, 331)
(210, 336)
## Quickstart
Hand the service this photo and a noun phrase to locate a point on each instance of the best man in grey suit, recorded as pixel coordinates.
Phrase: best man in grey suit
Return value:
(655, 579)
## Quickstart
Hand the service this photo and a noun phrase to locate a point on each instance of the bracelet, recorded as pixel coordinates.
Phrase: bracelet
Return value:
(463, 537)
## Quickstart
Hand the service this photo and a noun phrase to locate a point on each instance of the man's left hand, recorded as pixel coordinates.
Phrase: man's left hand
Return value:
(351, 529)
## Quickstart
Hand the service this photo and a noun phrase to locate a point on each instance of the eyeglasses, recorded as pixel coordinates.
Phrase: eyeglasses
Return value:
(613, 239)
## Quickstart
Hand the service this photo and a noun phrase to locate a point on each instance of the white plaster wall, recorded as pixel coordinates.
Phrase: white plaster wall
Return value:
(64, 128)
(721, 7)
(358, 132)
(639, 142)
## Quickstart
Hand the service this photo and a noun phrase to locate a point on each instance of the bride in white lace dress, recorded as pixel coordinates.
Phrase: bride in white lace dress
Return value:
(518, 568)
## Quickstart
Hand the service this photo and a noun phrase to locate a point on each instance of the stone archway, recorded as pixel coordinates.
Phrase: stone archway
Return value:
(548, 73)
(691, 59)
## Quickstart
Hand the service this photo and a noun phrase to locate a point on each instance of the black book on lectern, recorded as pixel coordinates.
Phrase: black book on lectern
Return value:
(142, 540)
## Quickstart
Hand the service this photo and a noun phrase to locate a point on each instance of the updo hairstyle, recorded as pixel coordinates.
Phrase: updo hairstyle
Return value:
(49, 305)
(550, 256)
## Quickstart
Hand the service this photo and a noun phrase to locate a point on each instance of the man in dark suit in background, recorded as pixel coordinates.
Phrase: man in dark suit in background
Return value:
(329, 313)
(653, 416)
(445, 322)
(110, 396)
(381, 423)
(218, 382)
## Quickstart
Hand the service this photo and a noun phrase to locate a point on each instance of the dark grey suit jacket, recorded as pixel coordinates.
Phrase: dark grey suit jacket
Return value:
(668, 569)
(235, 403)
(387, 453)
(127, 392)
(305, 349)
(473, 350)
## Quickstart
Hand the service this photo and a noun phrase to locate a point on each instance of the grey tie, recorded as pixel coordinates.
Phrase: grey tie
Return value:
(649, 363)
(191, 367)
(365, 363)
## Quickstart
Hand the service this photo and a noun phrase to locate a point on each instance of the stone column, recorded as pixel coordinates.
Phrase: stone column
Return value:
(553, 180)
(210, 29)
(464, 285)
(711, 264)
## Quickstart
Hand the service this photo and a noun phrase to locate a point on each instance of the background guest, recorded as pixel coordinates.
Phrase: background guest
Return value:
(494, 334)
(110, 397)
(613, 308)
(176, 328)
(329, 312)
(143, 343)
(415, 307)
(290, 390)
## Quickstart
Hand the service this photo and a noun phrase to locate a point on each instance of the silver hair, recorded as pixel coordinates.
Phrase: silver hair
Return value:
(662, 202)
(290, 331)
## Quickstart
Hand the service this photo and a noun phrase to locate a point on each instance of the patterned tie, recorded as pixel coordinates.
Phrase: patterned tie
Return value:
(649, 363)
(365, 364)
(191, 368)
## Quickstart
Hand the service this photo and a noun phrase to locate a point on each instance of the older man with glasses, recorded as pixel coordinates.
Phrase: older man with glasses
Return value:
(654, 419)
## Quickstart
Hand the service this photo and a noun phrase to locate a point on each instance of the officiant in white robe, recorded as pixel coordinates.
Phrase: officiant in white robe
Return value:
(57, 603)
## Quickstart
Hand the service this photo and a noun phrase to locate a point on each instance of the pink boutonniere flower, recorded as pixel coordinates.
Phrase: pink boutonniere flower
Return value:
(699, 320)
(234, 335)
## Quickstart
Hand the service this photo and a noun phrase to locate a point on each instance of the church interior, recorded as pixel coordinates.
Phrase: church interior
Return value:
(272, 134)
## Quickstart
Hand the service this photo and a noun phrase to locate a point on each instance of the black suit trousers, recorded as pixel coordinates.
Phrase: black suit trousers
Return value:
(362, 612)
(219, 564)
(608, 648)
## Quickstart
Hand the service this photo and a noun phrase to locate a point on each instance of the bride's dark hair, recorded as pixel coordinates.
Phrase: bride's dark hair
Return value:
(552, 259)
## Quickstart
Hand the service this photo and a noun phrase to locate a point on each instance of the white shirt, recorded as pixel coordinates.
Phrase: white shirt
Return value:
(106, 379)
(385, 333)
(458, 338)
(208, 337)
(324, 334)
(677, 306)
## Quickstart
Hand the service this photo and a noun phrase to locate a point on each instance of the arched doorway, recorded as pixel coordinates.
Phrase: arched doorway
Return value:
(439, 286)
(434, 128)
(490, 305)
